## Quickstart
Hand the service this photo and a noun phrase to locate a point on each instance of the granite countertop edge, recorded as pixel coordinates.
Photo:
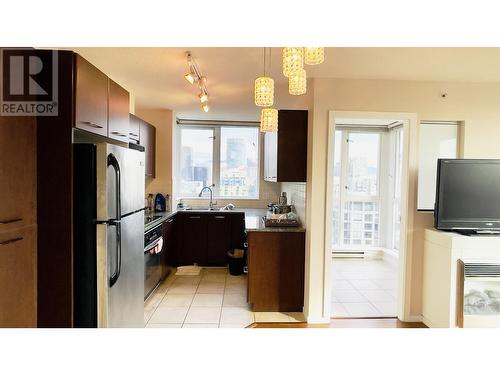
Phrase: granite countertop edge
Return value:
(253, 220)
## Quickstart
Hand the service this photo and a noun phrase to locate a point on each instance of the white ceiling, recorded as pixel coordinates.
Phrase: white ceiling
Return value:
(155, 75)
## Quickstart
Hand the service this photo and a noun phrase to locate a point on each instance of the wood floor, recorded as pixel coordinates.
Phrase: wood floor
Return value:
(346, 323)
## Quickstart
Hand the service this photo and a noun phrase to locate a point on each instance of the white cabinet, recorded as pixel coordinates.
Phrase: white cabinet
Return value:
(441, 282)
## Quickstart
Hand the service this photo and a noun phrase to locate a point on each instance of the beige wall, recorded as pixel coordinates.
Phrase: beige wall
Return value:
(162, 120)
(476, 104)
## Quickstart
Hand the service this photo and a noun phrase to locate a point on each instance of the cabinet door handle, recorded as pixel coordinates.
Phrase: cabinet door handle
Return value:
(245, 244)
(10, 221)
(133, 135)
(89, 123)
(119, 134)
(170, 220)
(219, 217)
(11, 241)
(194, 217)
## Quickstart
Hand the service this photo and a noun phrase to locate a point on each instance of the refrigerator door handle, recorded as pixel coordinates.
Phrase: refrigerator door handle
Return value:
(116, 274)
(112, 161)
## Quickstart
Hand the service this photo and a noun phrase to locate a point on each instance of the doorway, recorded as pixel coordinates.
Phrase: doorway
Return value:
(366, 169)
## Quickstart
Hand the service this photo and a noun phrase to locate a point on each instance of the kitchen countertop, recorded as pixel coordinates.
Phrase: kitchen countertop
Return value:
(253, 220)
(254, 223)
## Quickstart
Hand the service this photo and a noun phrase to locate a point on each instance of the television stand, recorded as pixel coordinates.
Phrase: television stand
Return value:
(478, 232)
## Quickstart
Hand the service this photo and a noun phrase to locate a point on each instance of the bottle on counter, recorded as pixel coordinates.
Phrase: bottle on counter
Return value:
(167, 202)
(150, 203)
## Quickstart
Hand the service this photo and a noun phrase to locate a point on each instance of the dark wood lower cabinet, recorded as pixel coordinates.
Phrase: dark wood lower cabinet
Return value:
(218, 239)
(276, 270)
(18, 297)
(168, 246)
(205, 238)
(193, 241)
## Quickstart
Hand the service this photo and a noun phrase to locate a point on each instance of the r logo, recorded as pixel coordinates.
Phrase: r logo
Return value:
(29, 82)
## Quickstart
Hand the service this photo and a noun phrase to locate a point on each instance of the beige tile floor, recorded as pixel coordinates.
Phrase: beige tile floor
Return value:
(364, 288)
(214, 299)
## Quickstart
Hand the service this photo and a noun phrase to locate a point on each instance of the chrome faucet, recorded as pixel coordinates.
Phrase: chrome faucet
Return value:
(209, 188)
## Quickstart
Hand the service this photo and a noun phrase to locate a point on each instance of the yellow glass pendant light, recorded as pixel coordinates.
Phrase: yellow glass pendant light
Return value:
(269, 120)
(264, 87)
(264, 92)
(314, 55)
(293, 59)
(297, 82)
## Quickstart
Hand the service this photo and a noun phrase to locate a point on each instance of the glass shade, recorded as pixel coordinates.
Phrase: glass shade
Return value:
(297, 82)
(205, 107)
(264, 92)
(269, 120)
(314, 55)
(293, 59)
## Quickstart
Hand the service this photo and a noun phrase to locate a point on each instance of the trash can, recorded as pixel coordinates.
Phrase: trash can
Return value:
(236, 261)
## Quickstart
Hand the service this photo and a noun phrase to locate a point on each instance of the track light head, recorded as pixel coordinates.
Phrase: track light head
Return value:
(190, 77)
(203, 97)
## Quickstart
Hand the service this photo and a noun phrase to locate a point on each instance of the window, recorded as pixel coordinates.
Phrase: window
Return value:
(227, 156)
(356, 188)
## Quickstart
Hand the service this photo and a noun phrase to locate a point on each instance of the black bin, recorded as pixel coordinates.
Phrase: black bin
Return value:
(236, 262)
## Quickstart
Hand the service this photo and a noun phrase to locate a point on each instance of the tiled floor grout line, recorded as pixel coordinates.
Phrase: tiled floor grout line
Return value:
(192, 299)
(222, 304)
(158, 304)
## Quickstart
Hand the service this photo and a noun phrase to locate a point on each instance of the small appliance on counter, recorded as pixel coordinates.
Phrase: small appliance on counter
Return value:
(281, 207)
(281, 214)
(160, 203)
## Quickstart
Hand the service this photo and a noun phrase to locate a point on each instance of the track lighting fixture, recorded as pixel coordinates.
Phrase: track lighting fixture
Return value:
(194, 76)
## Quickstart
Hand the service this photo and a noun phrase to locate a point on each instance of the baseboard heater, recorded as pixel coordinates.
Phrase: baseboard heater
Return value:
(348, 254)
(357, 254)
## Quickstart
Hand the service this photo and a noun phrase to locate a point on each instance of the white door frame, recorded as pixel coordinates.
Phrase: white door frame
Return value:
(408, 204)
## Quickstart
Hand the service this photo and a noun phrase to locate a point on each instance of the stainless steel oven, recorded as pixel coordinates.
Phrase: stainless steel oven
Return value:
(153, 246)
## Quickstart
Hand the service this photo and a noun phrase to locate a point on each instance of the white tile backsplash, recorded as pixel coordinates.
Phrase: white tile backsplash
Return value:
(296, 194)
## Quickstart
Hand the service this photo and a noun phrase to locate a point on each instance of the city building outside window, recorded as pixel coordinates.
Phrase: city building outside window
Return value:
(227, 156)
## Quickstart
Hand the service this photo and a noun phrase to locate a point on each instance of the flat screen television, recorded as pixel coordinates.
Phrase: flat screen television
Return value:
(467, 195)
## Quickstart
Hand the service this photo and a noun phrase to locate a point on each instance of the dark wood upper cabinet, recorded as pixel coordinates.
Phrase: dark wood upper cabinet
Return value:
(118, 107)
(285, 152)
(91, 98)
(147, 136)
(218, 239)
(133, 129)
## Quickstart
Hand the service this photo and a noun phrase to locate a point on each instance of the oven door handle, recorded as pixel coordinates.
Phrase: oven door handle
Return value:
(152, 244)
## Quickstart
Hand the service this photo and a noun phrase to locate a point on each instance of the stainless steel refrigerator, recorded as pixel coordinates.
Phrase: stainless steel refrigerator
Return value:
(108, 213)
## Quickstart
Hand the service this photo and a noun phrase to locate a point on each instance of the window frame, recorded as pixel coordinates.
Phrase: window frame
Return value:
(216, 162)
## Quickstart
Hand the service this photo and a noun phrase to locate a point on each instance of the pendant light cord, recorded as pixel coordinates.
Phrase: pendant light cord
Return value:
(264, 61)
